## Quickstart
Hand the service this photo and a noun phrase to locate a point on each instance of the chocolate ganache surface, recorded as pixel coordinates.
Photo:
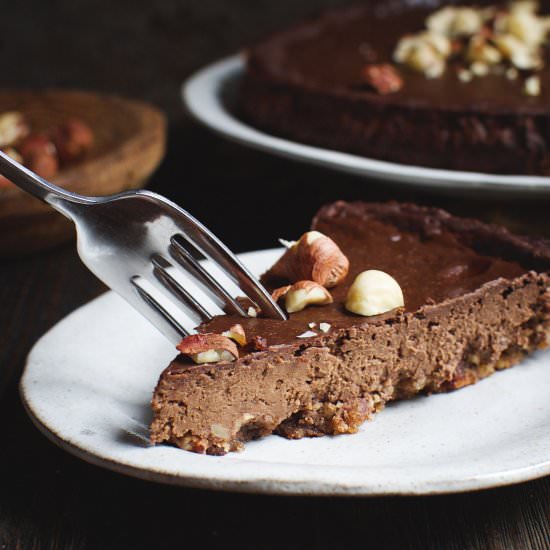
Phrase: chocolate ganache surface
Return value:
(430, 265)
(330, 53)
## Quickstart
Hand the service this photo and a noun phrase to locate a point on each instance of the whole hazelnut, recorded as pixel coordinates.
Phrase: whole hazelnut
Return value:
(374, 292)
(35, 144)
(73, 140)
(314, 257)
(42, 163)
(39, 155)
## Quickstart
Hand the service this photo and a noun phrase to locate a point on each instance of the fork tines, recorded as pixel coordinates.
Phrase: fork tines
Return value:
(184, 262)
(219, 295)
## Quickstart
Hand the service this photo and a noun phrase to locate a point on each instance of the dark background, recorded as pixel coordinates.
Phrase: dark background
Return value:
(48, 499)
(146, 50)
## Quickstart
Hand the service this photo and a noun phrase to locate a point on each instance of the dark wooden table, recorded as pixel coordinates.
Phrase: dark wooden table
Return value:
(48, 498)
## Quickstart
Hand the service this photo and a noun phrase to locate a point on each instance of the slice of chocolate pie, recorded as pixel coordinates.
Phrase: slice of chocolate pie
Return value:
(476, 299)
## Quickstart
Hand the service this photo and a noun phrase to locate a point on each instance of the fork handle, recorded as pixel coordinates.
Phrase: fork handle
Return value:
(32, 183)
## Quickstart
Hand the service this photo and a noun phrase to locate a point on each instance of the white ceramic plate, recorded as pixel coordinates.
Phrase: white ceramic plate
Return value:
(88, 383)
(209, 92)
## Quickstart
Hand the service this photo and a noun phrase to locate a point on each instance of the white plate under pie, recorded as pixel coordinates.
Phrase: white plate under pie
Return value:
(209, 94)
(88, 383)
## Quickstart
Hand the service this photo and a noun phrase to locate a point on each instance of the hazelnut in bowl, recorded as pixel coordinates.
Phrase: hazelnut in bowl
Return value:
(89, 143)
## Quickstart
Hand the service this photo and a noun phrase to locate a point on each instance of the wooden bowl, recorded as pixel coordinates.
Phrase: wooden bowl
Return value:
(129, 144)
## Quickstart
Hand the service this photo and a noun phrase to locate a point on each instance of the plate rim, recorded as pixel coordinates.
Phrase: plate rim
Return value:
(262, 483)
(265, 486)
(201, 96)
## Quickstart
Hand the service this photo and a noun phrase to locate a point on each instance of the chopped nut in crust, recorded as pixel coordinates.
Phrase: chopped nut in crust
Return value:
(313, 257)
(306, 293)
(374, 292)
(208, 348)
(236, 333)
(383, 77)
(257, 343)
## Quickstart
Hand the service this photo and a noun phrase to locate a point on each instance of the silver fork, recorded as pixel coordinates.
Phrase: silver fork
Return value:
(138, 236)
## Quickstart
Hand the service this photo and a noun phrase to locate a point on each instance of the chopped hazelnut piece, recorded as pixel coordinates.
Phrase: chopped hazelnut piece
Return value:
(278, 293)
(532, 86)
(481, 51)
(464, 75)
(455, 21)
(488, 39)
(208, 348)
(421, 54)
(512, 73)
(307, 334)
(523, 22)
(236, 333)
(257, 343)
(287, 244)
(383, 77)
(252, 312)
(306, 293)
(479, 69)
(466, 21)
(520, 55)
(441, 21)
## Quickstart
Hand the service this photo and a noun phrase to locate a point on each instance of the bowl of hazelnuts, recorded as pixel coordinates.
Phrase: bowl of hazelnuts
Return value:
(89, 143)
(44, 152)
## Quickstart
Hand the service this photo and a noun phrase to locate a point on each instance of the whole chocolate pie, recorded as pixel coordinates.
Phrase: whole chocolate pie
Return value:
(414, 82)
(392, 300)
